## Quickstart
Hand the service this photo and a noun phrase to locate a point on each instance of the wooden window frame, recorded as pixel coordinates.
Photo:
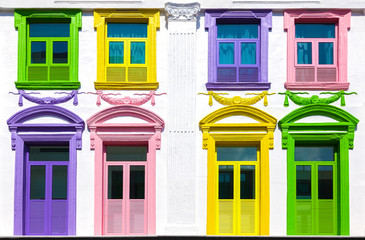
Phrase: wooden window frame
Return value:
(22, 18)
(101, 19)
(342, 20)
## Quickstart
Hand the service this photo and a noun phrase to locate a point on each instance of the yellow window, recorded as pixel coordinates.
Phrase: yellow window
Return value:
(126, 49)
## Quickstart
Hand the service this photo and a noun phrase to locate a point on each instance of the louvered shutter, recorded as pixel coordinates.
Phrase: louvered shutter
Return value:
(225, 212)
(37, 73)
(326, 217)
(328, 74)
(115, 74)
(304, 217)
(248, 216)
(226, 74)
(248, 74)
(59, 73)
(114, 220)
(59, 210)
(137, 74)
(36, 218)
(136, 216)
(304, 74)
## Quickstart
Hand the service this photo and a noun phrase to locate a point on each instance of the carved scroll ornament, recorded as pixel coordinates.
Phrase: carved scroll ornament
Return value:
(46, 100)
(108, 97)
(175, 11)
(237, 100)
(314, 99)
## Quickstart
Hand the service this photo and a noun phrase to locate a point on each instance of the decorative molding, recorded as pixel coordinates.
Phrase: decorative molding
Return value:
(176, 11)
(98, 1)
(315, 99)
(46, 100)
(346, 123)
(276, 1)
(17, 123)
(126, 100)
(237, 100)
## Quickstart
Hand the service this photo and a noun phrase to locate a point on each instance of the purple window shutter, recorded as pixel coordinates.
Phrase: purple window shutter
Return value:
(59, 217)
(239, 77)
(36, 217)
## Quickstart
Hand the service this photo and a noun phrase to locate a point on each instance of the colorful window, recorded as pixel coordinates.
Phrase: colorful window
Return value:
(318, 170)
(126, 49)
(48, 49)
(238, 171)
(125, 171)
(238, 49)
(45, 170)
(317, 49)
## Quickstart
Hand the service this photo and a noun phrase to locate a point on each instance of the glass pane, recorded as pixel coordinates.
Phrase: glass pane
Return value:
(116, 52)
(247, 182)
(325, 182)
(304, 53)
(314, 153)
(304, 188)
(310, 30)
(60, 52)
(115, 182)
(37, 182)
(136, 184)
(59, 182)
(237, 30)
(38, 52)
(225, 182)
(127, 30)
(138, 52)
(248, 53)
(226, 53)
(325, 52)
(126, 153)
(48, 153)
(237, 153)
(49, 30)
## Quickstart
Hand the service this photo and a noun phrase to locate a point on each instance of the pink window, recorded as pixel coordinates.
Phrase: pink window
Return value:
(125, 172)
(317, 49)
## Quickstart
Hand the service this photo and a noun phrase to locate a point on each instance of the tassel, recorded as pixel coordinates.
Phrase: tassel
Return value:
(265, 100)
(153, 100)
(286, 101)
(20, 103)
(76, 101)
(343, 100)
(98, 102)
(210, 100)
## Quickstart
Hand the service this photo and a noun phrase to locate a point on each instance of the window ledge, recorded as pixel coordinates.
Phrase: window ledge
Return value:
(52, 85)
(317, 86)
(125, 86)
(238, 86)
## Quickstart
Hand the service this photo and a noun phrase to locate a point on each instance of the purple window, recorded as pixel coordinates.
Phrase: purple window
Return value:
(45, 171)
(238, 49)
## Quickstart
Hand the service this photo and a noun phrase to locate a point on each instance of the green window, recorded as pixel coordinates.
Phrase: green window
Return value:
(48, 49)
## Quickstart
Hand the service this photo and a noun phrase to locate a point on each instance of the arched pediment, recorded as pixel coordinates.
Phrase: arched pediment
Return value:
(247, 111)
(44, 111)
(124, 111)
(335, 113)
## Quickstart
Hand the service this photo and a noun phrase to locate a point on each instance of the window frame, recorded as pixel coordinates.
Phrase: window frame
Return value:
(22, 18)
(264, 19)
(70, 133)
(101, 19)
(341, 136)
(239, 134)
(341, 19)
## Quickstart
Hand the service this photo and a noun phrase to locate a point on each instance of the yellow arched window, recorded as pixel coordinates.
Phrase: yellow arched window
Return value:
(238, 171)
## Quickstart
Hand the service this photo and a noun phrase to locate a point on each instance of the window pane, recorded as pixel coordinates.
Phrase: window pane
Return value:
(138, 52)
(247, 182)
(304, 188)
(115, 182)
(49, 30)
(126, 153)
(325, 182)
(127, 30)
(325, 52)
(116, 52)
(237, 30)
(48, 153)
(59, 182)
(225, 182)
(304, 53)
(136, 184)
(226, 53)
(309, 30)
(37, 182)
(314, 153)
(248, 53)
(60, 52)
(236, 153)
(38, 52)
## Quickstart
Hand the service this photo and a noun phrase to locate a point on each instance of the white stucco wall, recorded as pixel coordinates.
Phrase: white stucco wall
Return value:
(87, 107)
